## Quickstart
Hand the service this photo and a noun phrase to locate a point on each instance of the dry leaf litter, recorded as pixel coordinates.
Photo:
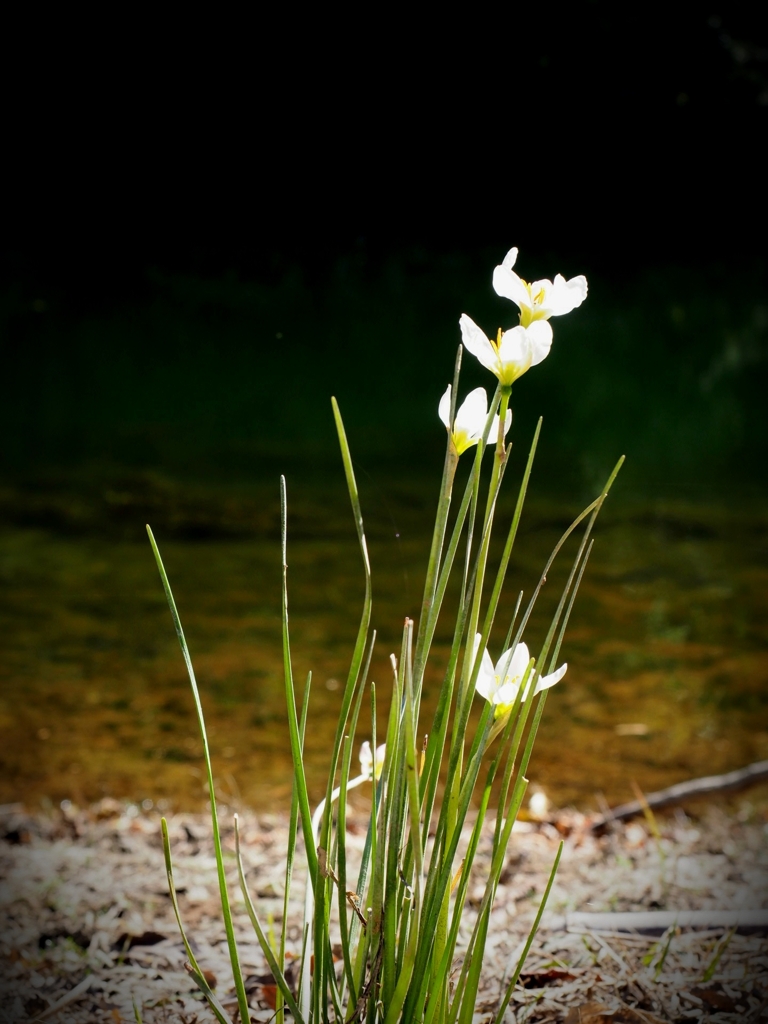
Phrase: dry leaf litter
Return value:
(87, 928)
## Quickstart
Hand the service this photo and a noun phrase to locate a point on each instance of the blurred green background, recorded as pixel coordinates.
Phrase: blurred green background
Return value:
(227, 378)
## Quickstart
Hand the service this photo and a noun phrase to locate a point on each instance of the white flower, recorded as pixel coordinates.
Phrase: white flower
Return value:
(513, 352)
(501, 684)
(522, 347)
(366, 759)
(470, 419)
(542, 299)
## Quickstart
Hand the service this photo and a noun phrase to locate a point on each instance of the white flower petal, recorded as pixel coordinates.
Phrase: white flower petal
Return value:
(476, 342)
(507, 284)
(510, 259)
(541, 290)
(566, 295)
(493, 436)
(470, 420)
(471, 417)
(514, 347)
(367, 764)
(486, 678)
(366, 758)
(545, 682)
(493, 433)
(512, 664)
(506, 694)
(485, 685)
(444, 408)
(514, 354)
(540, 337)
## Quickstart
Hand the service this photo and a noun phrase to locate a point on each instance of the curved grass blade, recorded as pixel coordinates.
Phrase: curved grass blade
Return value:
(365, 619)
(290, 699)
(341, 825)
(529, 942)
(423, 635)
(319, 926)
(264, 942)
(194, 969)
(501, 573)
(293, 823)
(234, 958)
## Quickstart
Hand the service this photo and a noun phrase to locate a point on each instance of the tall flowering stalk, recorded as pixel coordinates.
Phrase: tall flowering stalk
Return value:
(397, 921)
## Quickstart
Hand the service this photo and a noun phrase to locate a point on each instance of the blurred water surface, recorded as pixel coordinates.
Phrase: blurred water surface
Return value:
(170, 396)
(667, 647)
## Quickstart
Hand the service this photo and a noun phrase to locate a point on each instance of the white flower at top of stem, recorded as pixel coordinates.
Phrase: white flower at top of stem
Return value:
(518, 349)
(500, 683)
(513, 352)
(367, 760)
(470, 420)
(541, 299)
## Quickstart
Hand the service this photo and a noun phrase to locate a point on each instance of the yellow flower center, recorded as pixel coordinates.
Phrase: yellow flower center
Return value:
(501, 708)
(530, 313)
(462, 441)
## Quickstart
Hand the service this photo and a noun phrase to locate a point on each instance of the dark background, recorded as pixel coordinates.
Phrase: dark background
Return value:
(210, 228)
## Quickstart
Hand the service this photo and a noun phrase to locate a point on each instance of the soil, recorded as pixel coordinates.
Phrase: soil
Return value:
(87, 927)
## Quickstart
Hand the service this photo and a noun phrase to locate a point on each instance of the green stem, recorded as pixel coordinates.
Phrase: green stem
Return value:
(531, 935)
(293, 823)
(470, 670)
(297, 752)
(438, 538)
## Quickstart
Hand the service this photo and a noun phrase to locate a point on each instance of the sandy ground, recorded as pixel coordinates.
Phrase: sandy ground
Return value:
(87, 928)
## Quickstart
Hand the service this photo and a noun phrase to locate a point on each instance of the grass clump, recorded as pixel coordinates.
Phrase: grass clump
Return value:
(397, 922)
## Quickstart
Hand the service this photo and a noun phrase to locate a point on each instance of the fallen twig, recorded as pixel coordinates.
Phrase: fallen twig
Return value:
(682, 790)
(652, 922)
(70, 997)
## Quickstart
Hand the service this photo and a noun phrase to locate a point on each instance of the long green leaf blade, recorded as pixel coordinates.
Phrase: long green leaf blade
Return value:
(242, 998)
